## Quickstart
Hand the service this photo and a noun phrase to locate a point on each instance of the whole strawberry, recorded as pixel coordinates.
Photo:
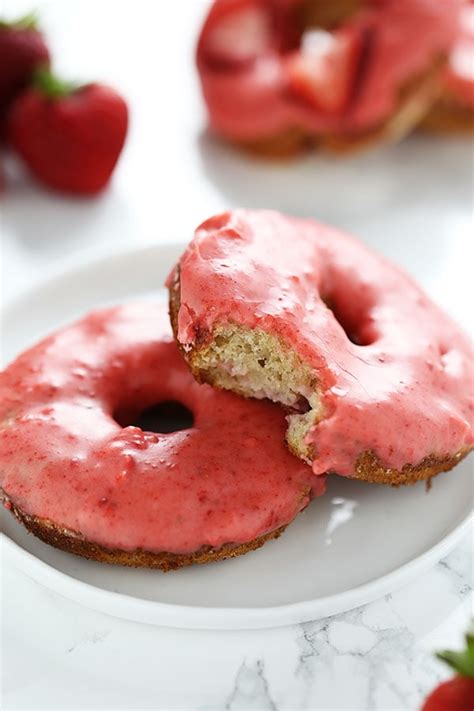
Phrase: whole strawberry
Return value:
(457, 694)
(70, 136)
(22, 51)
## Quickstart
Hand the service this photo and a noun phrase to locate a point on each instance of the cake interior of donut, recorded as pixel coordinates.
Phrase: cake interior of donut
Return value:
(260, 365)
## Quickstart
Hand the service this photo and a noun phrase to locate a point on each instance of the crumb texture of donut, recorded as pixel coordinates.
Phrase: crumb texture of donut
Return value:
(256, 364)
(374, 378)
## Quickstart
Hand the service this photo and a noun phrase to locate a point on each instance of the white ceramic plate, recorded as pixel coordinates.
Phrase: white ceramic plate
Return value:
(351, 546)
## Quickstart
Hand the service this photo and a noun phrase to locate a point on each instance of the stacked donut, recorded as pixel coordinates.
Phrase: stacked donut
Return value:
(311, 357)
(279, 76)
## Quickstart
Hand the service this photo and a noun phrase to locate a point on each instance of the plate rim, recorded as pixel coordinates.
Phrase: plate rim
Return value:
(176, 615)
(89, 257)
(136, 609)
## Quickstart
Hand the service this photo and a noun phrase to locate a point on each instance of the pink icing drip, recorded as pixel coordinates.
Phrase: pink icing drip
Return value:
(63, 456)
(405, 394)
(252, 100)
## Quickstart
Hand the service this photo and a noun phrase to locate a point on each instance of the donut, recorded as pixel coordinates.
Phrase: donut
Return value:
(279, 76)
(80, 476)
(376, 379)
(453, 112)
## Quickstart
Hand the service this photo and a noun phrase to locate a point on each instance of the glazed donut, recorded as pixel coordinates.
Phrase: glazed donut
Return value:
(82, 479)
(377, 380)
(454, 110)
(282, 75)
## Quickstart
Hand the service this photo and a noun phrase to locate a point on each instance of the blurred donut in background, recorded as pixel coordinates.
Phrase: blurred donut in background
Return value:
(280, 76)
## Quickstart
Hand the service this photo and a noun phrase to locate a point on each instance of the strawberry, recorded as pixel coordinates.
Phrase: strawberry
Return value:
(457, 694)
(22, 50)
(69, 136)
(236, 33)
(323, 72)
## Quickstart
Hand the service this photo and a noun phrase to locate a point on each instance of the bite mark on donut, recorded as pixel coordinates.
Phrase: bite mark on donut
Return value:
(257, 364)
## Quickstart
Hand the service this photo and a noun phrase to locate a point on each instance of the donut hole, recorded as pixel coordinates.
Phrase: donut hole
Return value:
(352, 312)
(162, 418)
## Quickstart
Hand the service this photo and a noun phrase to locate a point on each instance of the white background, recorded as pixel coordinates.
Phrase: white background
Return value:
(412, 202)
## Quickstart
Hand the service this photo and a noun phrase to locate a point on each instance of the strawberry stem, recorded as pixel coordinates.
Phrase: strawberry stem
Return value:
(27, 22)
(51, 86)
(461, 662)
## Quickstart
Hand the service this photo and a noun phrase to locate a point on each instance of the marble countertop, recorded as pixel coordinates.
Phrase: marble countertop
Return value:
(58, 655)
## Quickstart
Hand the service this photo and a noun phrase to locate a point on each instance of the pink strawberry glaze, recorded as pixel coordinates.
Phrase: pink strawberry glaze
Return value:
(405, 394)
(460, 73)
(252, 100)
(228, 479)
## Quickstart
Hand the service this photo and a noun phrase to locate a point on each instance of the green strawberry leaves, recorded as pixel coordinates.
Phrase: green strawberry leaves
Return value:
(27, 22)
(51, 86)
(461, 662)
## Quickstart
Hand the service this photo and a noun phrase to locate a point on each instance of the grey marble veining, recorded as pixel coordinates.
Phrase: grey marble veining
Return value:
(377, 657)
